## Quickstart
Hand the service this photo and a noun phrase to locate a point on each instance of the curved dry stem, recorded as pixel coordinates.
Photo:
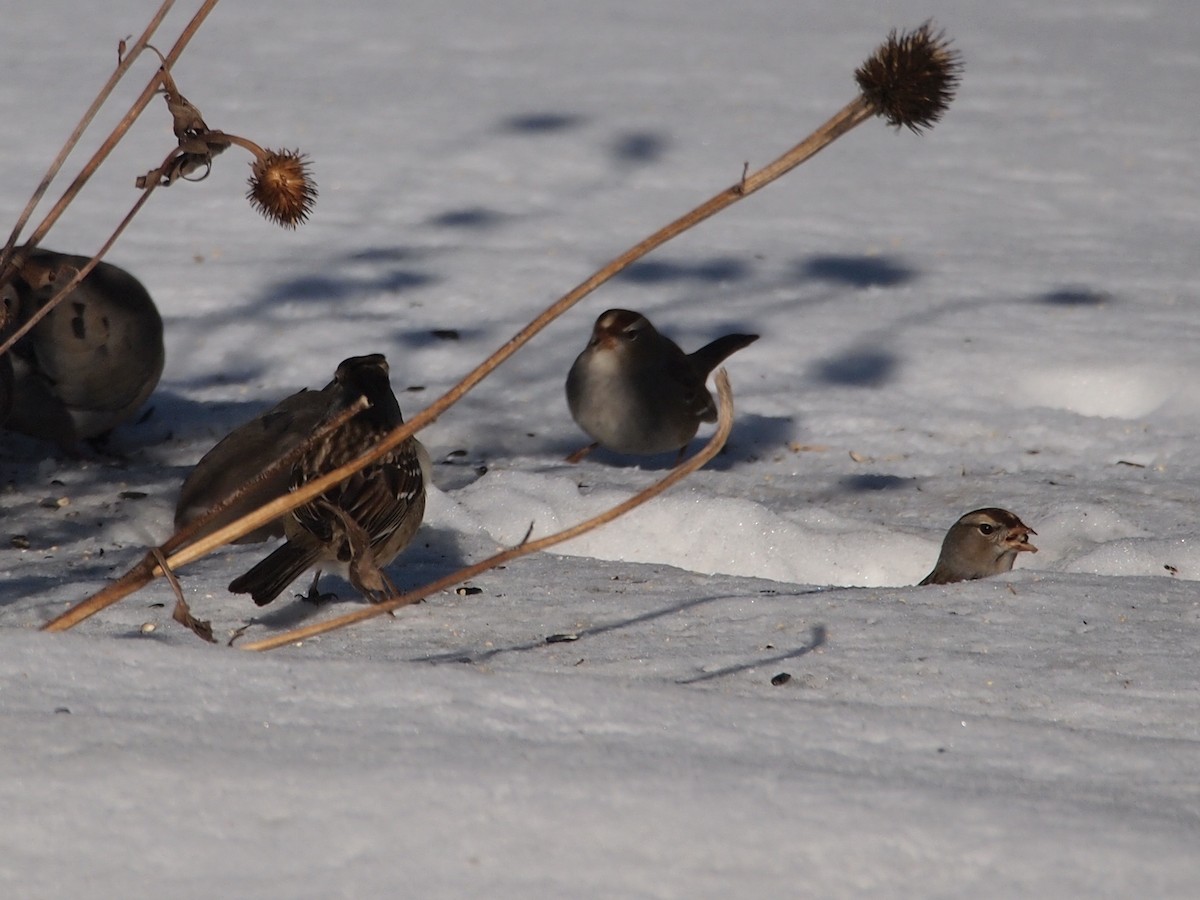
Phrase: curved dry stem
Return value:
(123, 65)
(526, 547)
(853, 114)
(850, 116)
(110, 142)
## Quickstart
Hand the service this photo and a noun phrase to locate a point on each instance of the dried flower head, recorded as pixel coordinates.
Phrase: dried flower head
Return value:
(281, 187)
(911, 78)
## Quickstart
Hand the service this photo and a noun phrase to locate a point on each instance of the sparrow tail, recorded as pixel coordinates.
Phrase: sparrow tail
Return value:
(712, 355)
(268, 579)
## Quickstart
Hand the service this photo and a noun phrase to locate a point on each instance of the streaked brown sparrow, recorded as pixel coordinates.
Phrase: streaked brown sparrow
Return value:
(92, 361)
(983, 542)
(360, 525)
(239, 457)
(634, 391)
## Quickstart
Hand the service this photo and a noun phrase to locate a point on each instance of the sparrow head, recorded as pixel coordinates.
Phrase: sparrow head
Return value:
(620, 328)
(983, 542)
(999, 529)
(367, 376)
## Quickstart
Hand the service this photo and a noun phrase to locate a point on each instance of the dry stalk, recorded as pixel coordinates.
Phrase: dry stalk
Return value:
(909, 81)
(526, 547)
(124, 62)
(14, 258)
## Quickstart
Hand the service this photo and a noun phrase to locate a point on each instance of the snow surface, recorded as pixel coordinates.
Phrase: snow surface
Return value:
(1000, 312)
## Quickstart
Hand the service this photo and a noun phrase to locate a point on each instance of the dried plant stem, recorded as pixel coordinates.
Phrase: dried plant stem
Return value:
(14, 262)
(909, 81)
(853, 114)
(123, 65)
(150, 568)
(677, 474)
(848, 117)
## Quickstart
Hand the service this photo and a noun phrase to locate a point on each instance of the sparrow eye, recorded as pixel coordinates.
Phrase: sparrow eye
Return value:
(986, 528)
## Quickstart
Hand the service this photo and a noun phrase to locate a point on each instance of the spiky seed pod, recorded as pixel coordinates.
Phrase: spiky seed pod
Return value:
(281, 187)
(911, 78)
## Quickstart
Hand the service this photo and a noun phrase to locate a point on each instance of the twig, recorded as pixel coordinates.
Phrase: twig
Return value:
(909, 80)
(526, 546)
(12, 265)
(123, 65)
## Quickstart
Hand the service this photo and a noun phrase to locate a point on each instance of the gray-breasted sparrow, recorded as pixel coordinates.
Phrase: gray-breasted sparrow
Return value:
(983, 542)
(244, 453)
(92, 361)
(634, 391)
(360, 525)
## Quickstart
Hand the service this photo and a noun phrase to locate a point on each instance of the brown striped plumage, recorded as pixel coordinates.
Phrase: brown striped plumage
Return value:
(359, 526)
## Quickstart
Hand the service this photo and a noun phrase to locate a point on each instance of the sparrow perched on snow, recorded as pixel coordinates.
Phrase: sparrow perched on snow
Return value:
(92, 361)
(983, 542)
(634, 391)
(244, 453)
(360, 525)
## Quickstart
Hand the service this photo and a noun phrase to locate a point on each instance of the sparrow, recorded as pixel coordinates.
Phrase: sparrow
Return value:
(359, 526)
(983, 542)
(237, 460)
(634, 391)
(92, 361)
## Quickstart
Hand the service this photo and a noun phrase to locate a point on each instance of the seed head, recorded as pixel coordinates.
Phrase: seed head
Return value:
(911, 78)
(281, 187)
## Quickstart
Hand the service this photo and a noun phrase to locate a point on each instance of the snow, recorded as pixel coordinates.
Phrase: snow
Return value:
(999, 312)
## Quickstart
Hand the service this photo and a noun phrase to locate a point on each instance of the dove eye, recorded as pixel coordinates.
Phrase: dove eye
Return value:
(986, 529)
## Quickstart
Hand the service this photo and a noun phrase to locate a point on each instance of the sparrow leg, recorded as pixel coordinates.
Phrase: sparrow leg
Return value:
(582, 452)
(314, 595)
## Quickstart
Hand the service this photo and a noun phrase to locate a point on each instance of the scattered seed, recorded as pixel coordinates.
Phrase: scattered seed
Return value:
(466, 591)
(133, 495)
(445, 334)
(62, 709)
(561, 638)
(1170, 568)
(20, 542)
(149, 628)
(55, 502)
(781, 678)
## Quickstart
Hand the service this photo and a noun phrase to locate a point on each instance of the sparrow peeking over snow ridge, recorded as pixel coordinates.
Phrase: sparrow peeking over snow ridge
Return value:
(634, 391)
(360, 525)
(983, 542)
(92, 361)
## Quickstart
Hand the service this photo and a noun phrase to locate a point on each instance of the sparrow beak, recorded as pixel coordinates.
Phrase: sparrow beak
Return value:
(604, 339)
(1019, 541)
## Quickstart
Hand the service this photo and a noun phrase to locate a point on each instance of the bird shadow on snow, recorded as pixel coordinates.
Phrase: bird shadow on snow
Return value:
(372, 271)
(817, 637)
(477, 656)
